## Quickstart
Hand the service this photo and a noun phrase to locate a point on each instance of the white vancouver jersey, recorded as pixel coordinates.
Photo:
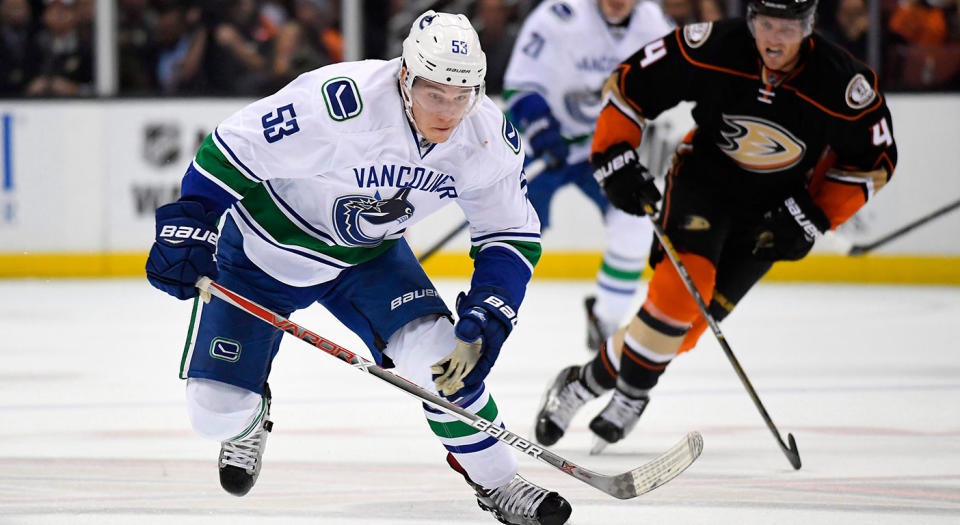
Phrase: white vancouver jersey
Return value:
(330, 173)
(565, 52)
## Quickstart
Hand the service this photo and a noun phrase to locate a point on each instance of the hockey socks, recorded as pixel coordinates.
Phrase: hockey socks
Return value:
(489, 462)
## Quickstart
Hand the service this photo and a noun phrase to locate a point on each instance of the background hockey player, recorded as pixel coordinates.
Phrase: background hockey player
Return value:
(319, 182)
(792, 139)
(565, 52)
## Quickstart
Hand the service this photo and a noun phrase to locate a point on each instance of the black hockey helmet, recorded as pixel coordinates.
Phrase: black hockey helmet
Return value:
(803, 10)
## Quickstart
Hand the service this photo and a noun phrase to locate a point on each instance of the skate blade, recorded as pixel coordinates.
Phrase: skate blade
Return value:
(598, 445)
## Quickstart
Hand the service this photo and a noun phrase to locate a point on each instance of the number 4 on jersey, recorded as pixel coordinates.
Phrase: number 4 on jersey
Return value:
(881, 133)
(652, 52)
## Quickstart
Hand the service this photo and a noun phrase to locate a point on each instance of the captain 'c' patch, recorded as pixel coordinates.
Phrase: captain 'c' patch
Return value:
(696, 34)
(759, 145)
(859, 92)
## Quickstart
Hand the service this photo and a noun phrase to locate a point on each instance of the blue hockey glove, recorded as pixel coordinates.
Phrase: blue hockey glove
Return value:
(546, 141)
(788, 231)
(627, 183)
(486, 319)
(184, 248)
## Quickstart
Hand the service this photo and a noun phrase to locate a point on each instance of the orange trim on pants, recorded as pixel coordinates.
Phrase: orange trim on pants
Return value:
(668, 295)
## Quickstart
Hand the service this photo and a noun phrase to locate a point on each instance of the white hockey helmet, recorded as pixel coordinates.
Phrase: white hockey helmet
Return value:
(445, 49)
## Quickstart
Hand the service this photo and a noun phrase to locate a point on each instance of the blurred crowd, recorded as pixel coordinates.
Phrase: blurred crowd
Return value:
(253, 47)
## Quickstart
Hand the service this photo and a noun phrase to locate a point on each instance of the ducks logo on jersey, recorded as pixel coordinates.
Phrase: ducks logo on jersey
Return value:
(759, 145)
(361, 220)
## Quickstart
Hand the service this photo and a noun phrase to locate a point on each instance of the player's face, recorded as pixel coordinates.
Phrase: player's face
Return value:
(778, 41)
(438, 108)
(616, 10)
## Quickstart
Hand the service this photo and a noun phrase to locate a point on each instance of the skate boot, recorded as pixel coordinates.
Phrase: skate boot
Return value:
(597, 330)
(519, 502)
(241, 457)
(564, 397)
(595, 335)
(616, 420)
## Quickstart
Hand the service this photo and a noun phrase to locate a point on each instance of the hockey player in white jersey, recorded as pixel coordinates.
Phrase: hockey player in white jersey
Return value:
(563, 55)
(318, 183)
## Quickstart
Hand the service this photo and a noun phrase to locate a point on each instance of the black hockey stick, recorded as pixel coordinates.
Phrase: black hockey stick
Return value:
(789, 450)
(629, 484)
(860, 249)
(532, 171)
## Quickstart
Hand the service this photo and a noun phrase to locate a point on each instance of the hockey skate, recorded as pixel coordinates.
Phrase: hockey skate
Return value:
(562, 400)
(241, 457)
(616, 420)
(597, 331)
(519, 502)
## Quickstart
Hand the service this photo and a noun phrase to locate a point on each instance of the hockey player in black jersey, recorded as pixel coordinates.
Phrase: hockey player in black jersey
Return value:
(792, 138)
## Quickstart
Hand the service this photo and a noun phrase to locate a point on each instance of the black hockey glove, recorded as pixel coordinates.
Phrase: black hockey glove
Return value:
(788, 231)
(627, 183)
(184, 249)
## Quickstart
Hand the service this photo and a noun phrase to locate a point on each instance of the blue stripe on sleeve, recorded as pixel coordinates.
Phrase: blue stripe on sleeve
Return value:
(499, 268)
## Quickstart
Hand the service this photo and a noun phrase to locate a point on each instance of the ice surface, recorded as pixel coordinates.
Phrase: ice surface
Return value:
(867, 378)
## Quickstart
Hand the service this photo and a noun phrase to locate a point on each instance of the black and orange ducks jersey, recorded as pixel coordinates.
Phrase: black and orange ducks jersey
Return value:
(760, 134)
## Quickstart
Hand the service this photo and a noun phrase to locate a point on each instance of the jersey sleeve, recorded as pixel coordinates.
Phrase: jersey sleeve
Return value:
(504, 233)
(278, 136)
(859, 164)
(657, 77)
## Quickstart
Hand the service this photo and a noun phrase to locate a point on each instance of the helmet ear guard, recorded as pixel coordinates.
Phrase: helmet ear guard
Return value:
(803, 10)
(445, 49)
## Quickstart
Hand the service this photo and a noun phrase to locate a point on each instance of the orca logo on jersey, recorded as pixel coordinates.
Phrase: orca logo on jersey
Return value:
(361, 220)
(510, 135)
(759, 145)
(342, 98)
(696, 34)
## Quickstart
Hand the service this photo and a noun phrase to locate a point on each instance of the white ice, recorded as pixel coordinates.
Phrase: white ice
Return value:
(867, 378)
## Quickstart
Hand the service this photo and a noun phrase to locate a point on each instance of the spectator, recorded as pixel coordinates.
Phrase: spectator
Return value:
(682, 12)
(307, 42)
(16, 35)
(180, 45)
(135, 21)
(849, 27)
(917, 22)
(497, 35)
(711, 10)
(64, 59)
(242, 42)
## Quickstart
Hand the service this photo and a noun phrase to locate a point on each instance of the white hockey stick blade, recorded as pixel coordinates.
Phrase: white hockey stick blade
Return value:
(647, 477)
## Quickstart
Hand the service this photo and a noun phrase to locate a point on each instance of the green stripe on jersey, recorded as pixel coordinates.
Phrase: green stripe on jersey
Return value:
(456, 429)
(529, 250)
(265, 212)
(215, 163)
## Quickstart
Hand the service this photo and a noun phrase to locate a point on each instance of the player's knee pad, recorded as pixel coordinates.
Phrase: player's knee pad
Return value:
(220, 411)
(419, 344)
(668, 295)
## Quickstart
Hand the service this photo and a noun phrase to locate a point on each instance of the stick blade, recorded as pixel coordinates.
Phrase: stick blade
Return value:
(669, 465)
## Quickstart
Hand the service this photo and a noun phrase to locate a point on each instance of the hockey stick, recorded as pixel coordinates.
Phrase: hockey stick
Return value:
(532, 171)
(630, 484)
(790, 451)
(860, 249)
